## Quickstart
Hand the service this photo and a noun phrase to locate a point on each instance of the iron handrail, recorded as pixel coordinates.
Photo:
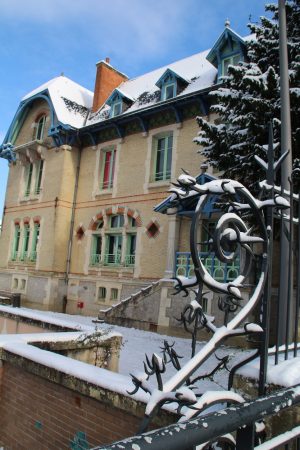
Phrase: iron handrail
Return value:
(207, 428)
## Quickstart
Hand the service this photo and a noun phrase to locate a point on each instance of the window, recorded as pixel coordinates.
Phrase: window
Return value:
(16, 243)
(39, 173)
(25, 247)
(29, 170)
(162, 158)
(116, 109)
(231, 60)
(35, 241)
(114, 244)
(39, 135)
(117, 221)
(107, 168)
(114, 293)
(130, 254)
(101, 293)
(113, 249)
(97, 244)
(168, 91)
(33, 178)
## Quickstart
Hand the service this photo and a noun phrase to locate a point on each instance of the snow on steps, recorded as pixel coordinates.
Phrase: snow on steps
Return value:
(119, 308)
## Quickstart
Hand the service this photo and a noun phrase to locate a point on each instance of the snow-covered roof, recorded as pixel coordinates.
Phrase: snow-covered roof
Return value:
(71, 101)
(198, 72)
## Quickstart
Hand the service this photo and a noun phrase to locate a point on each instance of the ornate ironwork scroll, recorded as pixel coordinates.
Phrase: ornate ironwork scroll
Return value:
(240, 232)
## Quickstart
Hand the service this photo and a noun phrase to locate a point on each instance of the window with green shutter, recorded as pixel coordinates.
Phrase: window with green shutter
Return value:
(162, 158)
(25, 247)
(35, 241)
(16, 243)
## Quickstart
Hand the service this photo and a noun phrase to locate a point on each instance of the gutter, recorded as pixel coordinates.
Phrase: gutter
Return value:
(126, 117)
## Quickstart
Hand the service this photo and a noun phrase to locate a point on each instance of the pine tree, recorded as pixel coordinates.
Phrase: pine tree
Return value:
(250, 97)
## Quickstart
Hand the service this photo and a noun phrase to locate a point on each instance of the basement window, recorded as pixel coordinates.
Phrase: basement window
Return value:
(101, 293)
(114, 294)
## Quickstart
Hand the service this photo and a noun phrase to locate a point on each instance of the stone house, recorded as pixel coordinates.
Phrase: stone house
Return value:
(79, 230)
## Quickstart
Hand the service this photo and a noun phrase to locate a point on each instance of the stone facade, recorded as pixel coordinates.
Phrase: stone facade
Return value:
(79, 230)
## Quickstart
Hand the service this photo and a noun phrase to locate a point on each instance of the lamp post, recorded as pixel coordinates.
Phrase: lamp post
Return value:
(286, 171)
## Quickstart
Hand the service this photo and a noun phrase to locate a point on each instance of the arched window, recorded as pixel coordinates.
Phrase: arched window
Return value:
(114, 244)
(40, 128)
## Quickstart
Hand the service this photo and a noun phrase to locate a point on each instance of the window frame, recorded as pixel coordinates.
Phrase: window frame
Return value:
(116, 104)
(29, 177)
(40, 128)
(38, 176)
(16, 242)
(231, 62)
(25, 244)
(165, 174)
(35, 241)
(103, 184)
(165, 87)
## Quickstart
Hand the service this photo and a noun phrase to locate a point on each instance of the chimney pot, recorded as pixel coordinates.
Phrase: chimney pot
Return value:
(107, 59)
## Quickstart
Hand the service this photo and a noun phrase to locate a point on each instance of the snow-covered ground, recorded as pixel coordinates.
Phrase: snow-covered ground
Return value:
(137, 343)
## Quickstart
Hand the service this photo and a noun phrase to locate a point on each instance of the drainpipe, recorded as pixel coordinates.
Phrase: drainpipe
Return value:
(70, 241)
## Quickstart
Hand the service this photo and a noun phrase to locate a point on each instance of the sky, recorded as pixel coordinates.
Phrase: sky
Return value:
(43, 39)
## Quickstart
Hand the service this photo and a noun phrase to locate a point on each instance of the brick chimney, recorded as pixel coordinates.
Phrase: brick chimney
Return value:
(107, 79)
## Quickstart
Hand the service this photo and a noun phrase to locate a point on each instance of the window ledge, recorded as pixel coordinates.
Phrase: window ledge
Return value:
(30, 198)
(109, 268)
(103, 192)
(162, 183)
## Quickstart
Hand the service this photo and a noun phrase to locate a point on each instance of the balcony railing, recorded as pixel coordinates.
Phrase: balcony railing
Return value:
(112, 260)
(222, 272)
(129, 260)
(24, 257)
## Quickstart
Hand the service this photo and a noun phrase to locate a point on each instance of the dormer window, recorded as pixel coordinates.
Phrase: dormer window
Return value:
(170, 84)
(116, 109)
(118, 102)
(230, 61)
(228, 50)
(168, 91)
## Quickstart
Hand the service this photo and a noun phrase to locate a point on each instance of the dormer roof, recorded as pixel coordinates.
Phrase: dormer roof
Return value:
(118, 93)
(172, 74)
(227, 37)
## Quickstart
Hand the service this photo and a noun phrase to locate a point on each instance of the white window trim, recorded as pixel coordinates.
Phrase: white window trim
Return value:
(149, 184)
(114, 105)
(164, 90)
(97, 192)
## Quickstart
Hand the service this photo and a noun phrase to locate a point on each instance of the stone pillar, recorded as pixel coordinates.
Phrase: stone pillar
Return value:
(173, 236)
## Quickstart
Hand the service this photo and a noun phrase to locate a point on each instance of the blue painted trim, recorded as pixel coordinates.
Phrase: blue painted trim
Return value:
(178, 114)
(117, 95)
(227, 35)
(208, 209)
(144, 124)
(173, 76)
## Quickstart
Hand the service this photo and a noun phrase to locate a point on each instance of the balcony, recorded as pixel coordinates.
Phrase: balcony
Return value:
(24, 257)
(108, 259)
(221, 272)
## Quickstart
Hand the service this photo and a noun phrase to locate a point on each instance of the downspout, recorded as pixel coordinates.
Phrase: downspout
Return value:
(70, 241)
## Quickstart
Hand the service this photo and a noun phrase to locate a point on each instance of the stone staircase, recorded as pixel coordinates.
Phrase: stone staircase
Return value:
(139, 310)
